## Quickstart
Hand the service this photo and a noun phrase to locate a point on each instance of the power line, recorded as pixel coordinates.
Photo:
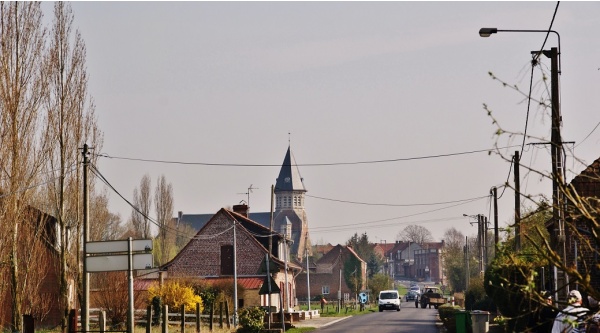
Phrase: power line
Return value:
(302, 165)
(165, 228)
(395, 205)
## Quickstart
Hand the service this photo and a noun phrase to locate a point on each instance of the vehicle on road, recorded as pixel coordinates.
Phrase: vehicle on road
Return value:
(389, 300)
(410, 295)
(415, 288)
(430, 296)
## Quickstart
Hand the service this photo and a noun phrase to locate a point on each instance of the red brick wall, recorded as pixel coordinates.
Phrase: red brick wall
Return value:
(202, 256)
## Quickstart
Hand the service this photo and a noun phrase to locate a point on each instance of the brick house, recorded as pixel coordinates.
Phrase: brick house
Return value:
(580, 229)
(325, 275)
(210, 256)
(401, 260)
(429, 262)
(44, 280)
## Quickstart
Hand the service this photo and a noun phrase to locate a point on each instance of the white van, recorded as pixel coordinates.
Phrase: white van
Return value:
(389, 300)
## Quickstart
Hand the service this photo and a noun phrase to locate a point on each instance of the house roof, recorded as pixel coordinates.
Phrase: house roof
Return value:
(198, 221)
(385, 248)
(289, 178)
(248, 283)
(332, 257)
(258, 233)
(323, 248)
(586, 183)
(433, 245)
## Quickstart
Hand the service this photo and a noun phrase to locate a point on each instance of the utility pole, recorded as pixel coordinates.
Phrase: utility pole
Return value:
(308, 279)
(496, 238)
(516, 160)
(485, 241)
(562, 282)
(235, 286)
(480, 240)
(467, 270)
(85, 317)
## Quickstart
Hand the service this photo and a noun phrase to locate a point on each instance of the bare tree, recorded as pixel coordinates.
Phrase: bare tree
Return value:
(142, 200)
(415, 234)
(22, 91)
(163, 201)
(107, 225)
(71, 122)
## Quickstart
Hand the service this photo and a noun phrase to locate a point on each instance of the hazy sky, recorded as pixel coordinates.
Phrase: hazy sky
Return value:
(225, 82)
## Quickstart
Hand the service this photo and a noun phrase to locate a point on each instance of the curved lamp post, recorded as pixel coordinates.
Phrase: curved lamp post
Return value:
(487, 32)
(556, 147)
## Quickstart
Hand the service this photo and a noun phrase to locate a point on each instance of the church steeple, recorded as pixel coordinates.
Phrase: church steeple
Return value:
(289, 176)
(289, 205)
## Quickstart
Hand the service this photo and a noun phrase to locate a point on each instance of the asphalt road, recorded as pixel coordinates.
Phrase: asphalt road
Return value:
(409, 319)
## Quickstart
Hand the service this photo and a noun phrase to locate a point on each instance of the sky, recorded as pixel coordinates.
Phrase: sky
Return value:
(397, 86)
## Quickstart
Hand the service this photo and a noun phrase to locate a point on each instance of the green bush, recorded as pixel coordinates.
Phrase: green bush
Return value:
(251, 319)
(446, 312)
(509, 281)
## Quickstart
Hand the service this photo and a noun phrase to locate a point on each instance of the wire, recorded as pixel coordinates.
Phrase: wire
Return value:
(406, 216)
(73, 168)
(533, 63)
(303, 165)
(394, 205)
(549, 30)
(587, 136)
(165, 228)
(507, 177)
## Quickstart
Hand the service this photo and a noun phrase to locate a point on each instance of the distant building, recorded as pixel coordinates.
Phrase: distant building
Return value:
(327, 273)
(401, 260)
(429, 262)
(289, 215)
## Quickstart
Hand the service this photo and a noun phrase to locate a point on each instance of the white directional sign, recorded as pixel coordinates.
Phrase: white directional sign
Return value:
(118, 262)
(118, 246)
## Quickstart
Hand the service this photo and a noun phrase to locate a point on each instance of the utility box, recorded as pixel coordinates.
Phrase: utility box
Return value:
(481, 321)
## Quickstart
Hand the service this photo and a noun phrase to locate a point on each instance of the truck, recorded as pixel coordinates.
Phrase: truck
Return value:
(430, 296)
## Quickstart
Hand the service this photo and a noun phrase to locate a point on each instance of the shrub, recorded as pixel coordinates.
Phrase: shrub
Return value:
(251, 319)
(446, 312)
(509, 282)
(173, 294)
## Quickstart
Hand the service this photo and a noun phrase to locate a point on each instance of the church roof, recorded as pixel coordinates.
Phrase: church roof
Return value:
(289, 176)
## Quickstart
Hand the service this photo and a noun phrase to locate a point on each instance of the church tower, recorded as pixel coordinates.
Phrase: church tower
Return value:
(289, 206)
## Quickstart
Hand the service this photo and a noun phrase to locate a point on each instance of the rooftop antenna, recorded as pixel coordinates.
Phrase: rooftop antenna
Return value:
(250, 188)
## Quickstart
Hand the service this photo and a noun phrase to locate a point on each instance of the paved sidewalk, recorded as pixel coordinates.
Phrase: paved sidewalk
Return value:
(319, 321)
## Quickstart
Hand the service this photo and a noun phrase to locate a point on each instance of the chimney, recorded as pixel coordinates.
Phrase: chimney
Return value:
(241, 209)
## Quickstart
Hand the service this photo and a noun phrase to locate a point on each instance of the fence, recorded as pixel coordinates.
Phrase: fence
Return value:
(148, 319)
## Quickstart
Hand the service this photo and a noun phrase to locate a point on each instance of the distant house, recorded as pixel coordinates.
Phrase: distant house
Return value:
(401, 260)
(325, 275)
(429, 262)
(212, 254)
(44, 277)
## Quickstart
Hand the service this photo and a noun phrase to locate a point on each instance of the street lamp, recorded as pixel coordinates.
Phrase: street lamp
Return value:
(487, 32)
(556, 149)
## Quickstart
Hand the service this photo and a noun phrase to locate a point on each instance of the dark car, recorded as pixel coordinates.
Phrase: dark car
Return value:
(411, 295)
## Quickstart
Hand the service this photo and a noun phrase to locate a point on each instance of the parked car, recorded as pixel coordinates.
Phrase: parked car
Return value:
(410, 295)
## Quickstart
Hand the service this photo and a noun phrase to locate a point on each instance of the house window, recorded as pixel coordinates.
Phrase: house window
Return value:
(325, 290)
(226, 259)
